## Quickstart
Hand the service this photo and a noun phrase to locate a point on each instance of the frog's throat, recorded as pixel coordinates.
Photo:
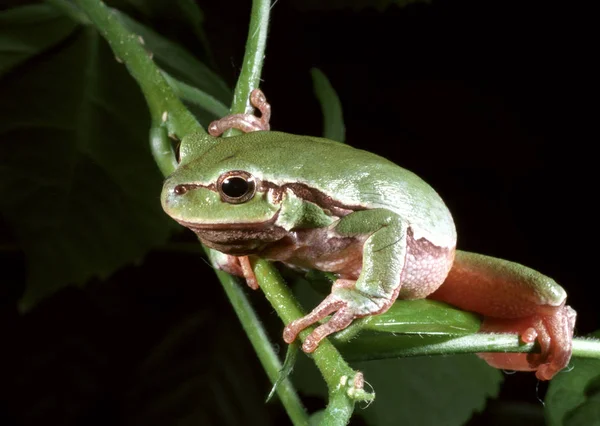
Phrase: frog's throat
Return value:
(238, 239)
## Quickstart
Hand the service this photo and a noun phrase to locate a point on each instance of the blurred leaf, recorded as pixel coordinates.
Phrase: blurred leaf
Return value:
(416, 391)
(403, 386)
(77, 181)
(354, 4)
(178, 62)
(573, 396)
(429, 391)
(333, 118)
(30, 30)
(199, 375)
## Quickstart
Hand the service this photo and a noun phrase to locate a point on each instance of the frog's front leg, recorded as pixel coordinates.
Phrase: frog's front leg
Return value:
(377, 286)
(236, 265)
(245, 122)
(517, 299)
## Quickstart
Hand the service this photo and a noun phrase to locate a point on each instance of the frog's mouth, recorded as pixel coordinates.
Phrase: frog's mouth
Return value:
(238, 239)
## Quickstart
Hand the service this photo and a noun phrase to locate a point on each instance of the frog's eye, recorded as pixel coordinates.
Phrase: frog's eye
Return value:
(236, 187)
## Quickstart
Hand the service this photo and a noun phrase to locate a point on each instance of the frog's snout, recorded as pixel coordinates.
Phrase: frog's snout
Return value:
(171, 194)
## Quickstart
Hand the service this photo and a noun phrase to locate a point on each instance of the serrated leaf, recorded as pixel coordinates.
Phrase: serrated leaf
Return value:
(416, 391)
(429, 391)
(573, 396)
(77, 181)
(28, 31)
(333, 118)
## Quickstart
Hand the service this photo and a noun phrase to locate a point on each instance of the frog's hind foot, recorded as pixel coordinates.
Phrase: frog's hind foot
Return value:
(245, 122)
(554, 334)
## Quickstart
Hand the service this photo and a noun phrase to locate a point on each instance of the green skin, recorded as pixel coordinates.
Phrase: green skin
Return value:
(385, 233)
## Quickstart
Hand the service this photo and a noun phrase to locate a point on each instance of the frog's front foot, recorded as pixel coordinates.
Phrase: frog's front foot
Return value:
(245, 122)
(553, 332)
(346, 302)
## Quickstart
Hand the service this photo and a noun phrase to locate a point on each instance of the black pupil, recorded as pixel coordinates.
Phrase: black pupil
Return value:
(235, 187)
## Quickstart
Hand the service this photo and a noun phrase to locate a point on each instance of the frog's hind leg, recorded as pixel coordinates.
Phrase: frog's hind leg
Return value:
(513, 298)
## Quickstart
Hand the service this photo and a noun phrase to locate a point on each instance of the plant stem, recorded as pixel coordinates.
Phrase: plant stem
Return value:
(165, 107)
(327, 358)
(197, 96)
(264, 350)
(254, 56)
(161, 98)
(335, 371)
(162, 150)
(586, 348)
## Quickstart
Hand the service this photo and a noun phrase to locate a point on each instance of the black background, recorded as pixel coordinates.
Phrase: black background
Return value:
(488, 101)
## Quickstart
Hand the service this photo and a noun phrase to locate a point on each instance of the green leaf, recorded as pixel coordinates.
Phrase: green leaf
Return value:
(77, 181)
(199, 374)
(30, 30)
(573, 396)
(429, 391)
(333, 118)
(409, 328)
(421, 317)
(416, 391)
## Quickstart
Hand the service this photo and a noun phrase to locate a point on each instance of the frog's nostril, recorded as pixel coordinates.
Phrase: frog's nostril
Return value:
(180, 189)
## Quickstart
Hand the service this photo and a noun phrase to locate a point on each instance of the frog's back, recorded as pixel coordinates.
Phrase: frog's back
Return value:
(353, 177)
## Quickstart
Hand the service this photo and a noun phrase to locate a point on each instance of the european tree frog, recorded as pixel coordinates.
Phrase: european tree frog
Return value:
(314, 203)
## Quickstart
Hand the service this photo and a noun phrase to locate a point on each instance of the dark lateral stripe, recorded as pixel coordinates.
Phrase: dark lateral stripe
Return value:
(312, 195)
(301, 190)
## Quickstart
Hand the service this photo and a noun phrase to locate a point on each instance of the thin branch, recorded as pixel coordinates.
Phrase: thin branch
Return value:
(165, 107)
(170, 116)
(263, 348)
(254, 56)
(197, 96)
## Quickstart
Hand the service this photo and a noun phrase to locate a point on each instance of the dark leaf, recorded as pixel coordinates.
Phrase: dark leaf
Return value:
(573, 396)
(27, 31)
(77, 182)
(333, 118)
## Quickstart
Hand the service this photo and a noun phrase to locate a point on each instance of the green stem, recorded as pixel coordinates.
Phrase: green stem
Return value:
(254, 56)
(170, 115)
(327, 358)
(586, 348)
(264, 350)
(162, 150)
(335, 371)
(165, 107)
(197, 96)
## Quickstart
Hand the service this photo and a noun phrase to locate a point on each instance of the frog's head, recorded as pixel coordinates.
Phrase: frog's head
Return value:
(222, 196)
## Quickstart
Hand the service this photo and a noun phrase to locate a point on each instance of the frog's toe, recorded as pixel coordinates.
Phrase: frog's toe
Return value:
(326, 307)
(554, 334)
(339, 321)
